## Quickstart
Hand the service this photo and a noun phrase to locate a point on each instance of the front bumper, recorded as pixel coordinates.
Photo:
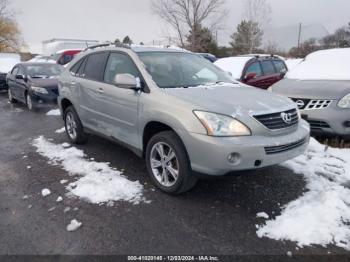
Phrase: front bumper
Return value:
(44, 100)
(209, 155)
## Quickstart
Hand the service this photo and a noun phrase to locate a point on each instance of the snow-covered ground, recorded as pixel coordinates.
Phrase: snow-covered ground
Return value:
(54, 112)
(95, 182)
(321, 216)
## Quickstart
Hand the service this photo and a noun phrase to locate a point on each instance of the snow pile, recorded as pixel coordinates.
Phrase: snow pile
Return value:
(234, 65)
(293, 62)
(97, 182)
(61, 130)
(322, 214)
(54, 112)
(332, 64)
(45, 192)
(74, 225)
(262, 215)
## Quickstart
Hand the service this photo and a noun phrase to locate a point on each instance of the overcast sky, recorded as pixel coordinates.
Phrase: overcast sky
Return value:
(110, 19)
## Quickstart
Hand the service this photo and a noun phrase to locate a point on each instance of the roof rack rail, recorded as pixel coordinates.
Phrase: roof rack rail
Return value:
(108, 44)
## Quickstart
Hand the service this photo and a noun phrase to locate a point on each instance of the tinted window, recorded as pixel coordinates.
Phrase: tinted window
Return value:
(75, 68)
(119, 64)
(95, 66)
(280, 66)
(268, 68)
(254, 68)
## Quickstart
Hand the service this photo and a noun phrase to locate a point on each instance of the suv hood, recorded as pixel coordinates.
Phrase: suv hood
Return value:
(314, 89)
(232, 99)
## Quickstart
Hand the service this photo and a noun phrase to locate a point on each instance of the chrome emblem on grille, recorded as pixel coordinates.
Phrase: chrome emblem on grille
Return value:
(300, 104)
(286, 117)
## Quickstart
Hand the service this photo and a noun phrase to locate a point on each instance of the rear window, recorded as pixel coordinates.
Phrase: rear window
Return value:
(268, 68)
(280, 66)
(95, 66)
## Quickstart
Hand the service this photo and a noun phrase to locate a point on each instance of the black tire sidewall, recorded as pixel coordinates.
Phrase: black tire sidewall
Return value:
(81, 136)
(176, 144)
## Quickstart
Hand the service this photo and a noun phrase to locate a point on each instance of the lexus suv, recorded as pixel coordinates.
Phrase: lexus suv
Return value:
(180, 112)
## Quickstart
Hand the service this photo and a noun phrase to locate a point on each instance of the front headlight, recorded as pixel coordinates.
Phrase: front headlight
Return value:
(344, 102)
(221, 125)
(39, 90)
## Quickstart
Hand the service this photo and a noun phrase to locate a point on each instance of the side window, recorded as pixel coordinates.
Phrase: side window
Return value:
(254, 68)
(280, 66)
(94, 67)
(74, 70)
(15, 71)
(119, 64)
(20, 71)
(268, 68)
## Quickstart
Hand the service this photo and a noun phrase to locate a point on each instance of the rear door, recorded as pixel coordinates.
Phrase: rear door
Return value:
(271, 76)
(89, 82)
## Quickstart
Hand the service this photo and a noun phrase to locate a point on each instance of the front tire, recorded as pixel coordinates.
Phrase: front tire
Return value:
(74, 127)
(168, 164)
(29, 103)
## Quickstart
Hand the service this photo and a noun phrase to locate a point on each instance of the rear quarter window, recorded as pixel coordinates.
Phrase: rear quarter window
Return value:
(280, 66)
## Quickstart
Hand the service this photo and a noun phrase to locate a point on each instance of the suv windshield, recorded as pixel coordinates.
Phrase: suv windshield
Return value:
(43, 71)
(172, 69)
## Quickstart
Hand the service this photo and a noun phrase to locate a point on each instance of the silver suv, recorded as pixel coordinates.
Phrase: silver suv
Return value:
(178, 111)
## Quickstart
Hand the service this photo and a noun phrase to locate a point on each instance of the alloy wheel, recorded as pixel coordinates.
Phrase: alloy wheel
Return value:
(71, 126)
(164, 164)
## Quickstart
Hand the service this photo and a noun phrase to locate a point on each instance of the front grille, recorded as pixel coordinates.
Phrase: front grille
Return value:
(316, 124)
(311, 104)
(280, 149)
(275, 121)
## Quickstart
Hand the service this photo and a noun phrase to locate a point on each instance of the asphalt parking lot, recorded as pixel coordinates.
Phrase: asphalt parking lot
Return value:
(216, 217)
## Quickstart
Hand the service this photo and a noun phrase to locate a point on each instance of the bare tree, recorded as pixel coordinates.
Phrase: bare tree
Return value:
(10, 39)
(186, 16)
(259, 13)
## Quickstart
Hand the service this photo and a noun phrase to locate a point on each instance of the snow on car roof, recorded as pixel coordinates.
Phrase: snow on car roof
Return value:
(234, 65)
(331, 64)
(8, 61)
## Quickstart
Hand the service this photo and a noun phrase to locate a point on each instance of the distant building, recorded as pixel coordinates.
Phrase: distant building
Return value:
(54, 45)
(286, 37)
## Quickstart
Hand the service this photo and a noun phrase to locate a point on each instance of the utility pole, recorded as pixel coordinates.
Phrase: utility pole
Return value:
(299, 36)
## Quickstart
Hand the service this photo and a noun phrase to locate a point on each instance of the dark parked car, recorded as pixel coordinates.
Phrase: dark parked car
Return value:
(34, 84)
(210, 57)
(260, 71)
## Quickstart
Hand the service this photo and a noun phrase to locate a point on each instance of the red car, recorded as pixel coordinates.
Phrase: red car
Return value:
(261, 71)
(65, 56)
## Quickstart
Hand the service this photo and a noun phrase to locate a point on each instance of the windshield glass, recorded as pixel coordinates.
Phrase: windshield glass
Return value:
(171, 70)
(43, 71)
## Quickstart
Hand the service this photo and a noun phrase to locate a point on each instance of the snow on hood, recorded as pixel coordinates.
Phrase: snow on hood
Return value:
(234, 65)
(232, 99)
(8, 61)
(332, 64)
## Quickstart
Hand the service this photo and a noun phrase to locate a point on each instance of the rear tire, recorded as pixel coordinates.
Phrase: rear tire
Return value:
(11, 99)
(168, 164)
(74, 127)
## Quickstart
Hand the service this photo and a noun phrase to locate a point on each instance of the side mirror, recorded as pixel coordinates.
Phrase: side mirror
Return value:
(21, 77)
(126, 81)
(250, 76)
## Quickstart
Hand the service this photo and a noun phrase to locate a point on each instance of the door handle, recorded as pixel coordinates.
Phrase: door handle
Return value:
(100, 90)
